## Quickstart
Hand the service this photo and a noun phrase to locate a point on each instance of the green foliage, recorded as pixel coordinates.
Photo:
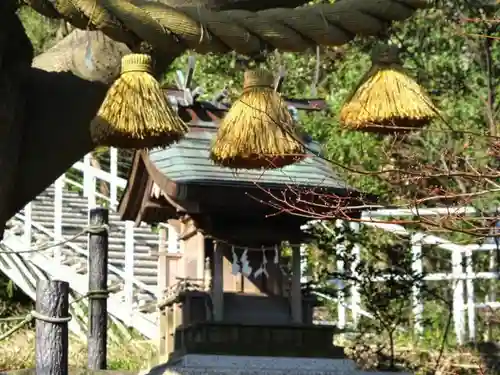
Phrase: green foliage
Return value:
(390, 302)
(449, 64)
(40, 30)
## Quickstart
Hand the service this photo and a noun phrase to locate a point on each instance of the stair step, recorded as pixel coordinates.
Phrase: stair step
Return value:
(142, 268)
(148, 279)
(42, 218)
(118, 240)
(115, 250)
(114, 257)
(148, 276)
(142, 234)
(51, 191)
(138, 257)
(73, 217)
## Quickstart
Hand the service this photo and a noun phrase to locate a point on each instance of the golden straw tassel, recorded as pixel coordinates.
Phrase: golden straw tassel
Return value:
(135, 113)
(258, 131)
(387, 100)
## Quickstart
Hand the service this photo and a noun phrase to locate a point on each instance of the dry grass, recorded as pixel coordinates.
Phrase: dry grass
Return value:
(18, 352)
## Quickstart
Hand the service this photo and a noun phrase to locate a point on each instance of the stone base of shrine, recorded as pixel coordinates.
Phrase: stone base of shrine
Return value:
(196, 364)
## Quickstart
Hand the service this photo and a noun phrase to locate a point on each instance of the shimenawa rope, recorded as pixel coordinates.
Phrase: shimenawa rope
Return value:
(38, 316)
(245, 32)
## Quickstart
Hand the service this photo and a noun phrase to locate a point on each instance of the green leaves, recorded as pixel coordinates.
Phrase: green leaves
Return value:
(40, 30)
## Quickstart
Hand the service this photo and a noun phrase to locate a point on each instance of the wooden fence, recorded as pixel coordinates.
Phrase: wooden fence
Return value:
(52, 309)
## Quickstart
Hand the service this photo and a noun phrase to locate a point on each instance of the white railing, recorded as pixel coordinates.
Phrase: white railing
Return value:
(90, 178)
(464, 302)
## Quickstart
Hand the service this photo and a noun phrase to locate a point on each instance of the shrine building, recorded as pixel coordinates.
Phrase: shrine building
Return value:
(230, 283)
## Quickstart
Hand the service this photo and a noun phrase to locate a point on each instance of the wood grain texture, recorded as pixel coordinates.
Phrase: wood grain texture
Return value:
(52, 338)
(98, 281)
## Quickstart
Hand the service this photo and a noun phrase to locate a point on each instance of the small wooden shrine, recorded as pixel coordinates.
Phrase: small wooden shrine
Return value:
(229, 290)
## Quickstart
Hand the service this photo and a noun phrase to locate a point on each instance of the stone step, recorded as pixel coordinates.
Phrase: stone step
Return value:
(197, 364)
(169, 370)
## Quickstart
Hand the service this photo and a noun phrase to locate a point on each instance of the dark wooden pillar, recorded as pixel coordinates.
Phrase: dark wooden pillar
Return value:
(217, 283)
(98, 284)
(296, 293)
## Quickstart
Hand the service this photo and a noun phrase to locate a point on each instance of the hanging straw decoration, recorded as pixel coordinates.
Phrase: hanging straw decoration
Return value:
(135, 113)
(387, 100)
(258, 132)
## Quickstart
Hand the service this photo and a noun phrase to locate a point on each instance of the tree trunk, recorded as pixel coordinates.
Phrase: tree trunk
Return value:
(56, 130)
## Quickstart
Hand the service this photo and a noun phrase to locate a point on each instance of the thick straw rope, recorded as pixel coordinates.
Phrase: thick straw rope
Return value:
(245, 32)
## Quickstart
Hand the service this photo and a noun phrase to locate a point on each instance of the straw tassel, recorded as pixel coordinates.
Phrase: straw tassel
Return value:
(387, 100)
(135, 113)
(258, 132)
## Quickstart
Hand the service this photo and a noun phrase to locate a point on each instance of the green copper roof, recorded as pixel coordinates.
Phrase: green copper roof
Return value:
(188, 162)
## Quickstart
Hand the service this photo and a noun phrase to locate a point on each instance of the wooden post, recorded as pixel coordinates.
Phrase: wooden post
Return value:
(296, 293)
(218, 283)
(98, 283)
(51, 348)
